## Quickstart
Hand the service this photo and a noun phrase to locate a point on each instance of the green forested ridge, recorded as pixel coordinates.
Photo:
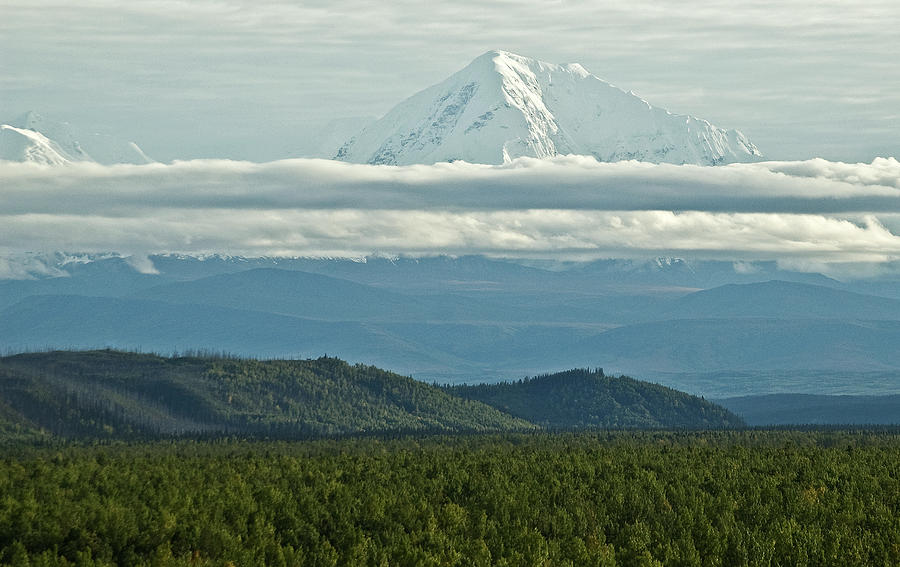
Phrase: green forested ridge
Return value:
(14, 429)
(119, 395)
(111, 394)
(613, 498)
(588, 398)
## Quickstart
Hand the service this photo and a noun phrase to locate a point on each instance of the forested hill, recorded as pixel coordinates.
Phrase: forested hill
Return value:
(588, 398)
(113, 394)
(119, 395)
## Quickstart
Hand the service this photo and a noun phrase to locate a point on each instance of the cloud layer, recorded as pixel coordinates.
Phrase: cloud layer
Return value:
(569, 207)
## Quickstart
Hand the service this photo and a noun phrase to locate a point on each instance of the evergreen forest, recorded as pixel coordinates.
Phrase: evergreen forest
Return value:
(725, 498)
(116, 458)
(587, 398)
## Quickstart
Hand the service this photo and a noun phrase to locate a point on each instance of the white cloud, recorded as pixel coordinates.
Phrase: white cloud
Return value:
(882, 171)
(570, 182)
(571, 207)
(745, 267)
(529, 233)
(26, 267)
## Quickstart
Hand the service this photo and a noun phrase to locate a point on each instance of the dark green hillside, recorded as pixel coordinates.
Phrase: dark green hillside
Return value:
(112, 394)
(588, 398)
(14, 428)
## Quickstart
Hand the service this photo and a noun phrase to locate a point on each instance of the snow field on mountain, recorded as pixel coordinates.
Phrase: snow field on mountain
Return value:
(503, 106)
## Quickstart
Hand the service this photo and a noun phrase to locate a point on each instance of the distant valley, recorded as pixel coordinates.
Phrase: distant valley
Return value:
(702, 327)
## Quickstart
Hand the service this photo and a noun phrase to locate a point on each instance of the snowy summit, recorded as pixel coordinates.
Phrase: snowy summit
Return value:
(503, 106)
(33, 138)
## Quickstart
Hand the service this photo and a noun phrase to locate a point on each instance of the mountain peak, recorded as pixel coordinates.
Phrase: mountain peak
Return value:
(492, 54)
(33, 138)
(504, 105)
(500, 58)
(23, 144)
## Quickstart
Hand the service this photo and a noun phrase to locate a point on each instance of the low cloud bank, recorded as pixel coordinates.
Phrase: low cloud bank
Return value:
(569, 207)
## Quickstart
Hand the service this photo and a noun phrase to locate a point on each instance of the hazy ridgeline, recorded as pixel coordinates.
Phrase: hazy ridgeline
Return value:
(710, 328)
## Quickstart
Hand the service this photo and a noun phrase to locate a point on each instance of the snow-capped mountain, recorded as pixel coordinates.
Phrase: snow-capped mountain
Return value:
(33, 138)
(503, 106)
(21, 144)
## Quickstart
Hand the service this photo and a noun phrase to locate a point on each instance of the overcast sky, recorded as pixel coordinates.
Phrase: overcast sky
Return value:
(255, 80)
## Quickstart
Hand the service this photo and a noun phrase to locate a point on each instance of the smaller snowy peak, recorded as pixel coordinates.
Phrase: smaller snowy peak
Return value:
(21, 144)
(503, 106)
(33, 138)
(60, 132)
